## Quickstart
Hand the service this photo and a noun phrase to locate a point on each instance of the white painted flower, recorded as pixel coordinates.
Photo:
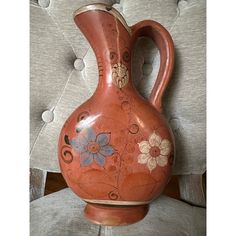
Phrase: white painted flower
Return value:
(154, 152)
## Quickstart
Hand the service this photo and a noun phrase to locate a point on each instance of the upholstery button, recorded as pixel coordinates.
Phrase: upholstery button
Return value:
(147, 69)
(175, 125)
(47, 116)
(79, 64)
(44, 3)
(182, 4)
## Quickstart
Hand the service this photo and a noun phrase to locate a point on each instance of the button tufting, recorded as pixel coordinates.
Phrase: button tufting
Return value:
(47, 116)
(175, 125)
(44, 3)
(147, 69)
(79, 64)
(182, 4)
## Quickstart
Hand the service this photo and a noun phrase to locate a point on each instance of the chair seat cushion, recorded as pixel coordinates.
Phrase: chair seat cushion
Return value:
(61, 214)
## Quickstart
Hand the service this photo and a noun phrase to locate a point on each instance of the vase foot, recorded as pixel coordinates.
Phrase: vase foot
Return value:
(114, 215)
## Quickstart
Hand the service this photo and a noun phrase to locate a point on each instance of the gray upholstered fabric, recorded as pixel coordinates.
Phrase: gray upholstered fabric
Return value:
(51, 63)
(61, 214)
(56, 85)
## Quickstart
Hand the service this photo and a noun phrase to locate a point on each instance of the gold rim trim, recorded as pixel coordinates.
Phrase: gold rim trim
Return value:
(111, 202)
(103, 7)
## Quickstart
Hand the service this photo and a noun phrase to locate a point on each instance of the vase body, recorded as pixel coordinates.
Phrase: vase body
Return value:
(116, 150)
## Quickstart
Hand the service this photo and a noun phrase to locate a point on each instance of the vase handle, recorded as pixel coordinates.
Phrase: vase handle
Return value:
(164, 43)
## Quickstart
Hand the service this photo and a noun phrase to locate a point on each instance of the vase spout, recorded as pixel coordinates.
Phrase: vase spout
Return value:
(108, 34)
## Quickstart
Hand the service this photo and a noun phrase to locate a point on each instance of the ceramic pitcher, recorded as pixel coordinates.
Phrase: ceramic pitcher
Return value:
(116, 150)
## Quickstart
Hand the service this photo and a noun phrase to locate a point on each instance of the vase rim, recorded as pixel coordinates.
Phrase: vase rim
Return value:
(103, 7)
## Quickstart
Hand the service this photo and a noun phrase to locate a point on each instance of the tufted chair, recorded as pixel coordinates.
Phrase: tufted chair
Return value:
(64, 74)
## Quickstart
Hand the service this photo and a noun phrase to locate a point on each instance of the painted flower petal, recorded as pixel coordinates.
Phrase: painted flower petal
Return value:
(106, 150)
(86, 159)
(99, 159)
(162, 160)
(103, 139)
(79, 144)
(165, 147)
(165, 151)
(151, 164)
(144, 147)
(90, 134)
(154, 140)
(143, 158)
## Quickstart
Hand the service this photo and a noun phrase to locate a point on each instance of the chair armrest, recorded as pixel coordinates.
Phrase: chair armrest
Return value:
(37, 183)
(192, 189)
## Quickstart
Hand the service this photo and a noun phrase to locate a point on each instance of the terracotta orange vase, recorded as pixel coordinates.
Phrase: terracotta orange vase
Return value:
(116, 150)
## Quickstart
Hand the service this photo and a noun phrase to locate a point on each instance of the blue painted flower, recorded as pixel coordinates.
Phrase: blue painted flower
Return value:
(92, 147)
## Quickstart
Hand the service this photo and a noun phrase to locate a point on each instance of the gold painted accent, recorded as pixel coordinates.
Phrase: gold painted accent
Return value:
(111, 202)
(120, 75)
(103, 7)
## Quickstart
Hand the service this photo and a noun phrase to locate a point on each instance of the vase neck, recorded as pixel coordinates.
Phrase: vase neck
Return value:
(110, 39)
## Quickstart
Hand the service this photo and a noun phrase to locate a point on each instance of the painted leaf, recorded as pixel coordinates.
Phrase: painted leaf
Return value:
(96, 184)
(138, 187)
